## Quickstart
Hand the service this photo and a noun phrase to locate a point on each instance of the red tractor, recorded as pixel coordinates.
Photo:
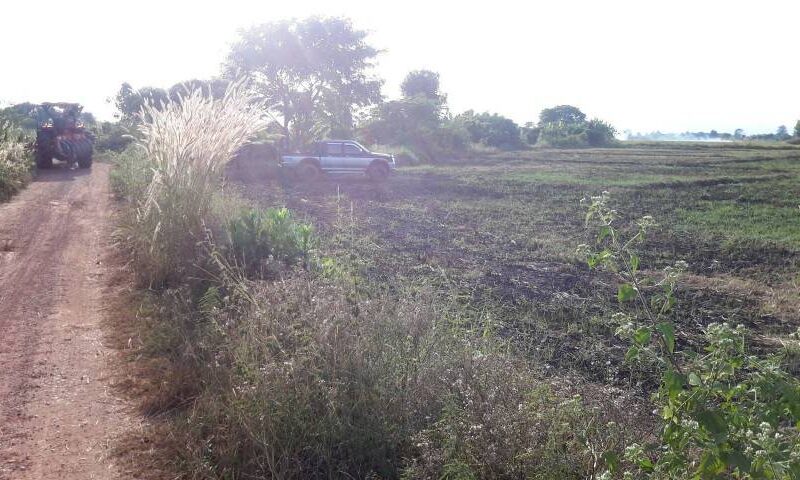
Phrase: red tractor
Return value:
(61, 135)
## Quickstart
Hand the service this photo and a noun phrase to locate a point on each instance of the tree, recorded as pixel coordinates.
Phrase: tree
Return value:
(24, 115)
(491, 129)
(797, 129)
(312, 70)
(402, 121)
(129, 102)
(562, 114)
(782, 133)
(600, 133)
(424, 83)
(738, 134)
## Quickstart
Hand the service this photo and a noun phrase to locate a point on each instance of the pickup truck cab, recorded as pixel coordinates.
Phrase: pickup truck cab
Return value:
(339, 156)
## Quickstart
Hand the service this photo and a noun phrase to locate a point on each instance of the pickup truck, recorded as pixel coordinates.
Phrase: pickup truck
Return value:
(338, 156)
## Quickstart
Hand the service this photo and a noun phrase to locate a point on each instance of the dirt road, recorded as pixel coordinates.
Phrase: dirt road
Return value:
(58, 415)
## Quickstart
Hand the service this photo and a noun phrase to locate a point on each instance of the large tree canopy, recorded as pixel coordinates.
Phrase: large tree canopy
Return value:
(312, 70)
(562, 114)
(422, 83)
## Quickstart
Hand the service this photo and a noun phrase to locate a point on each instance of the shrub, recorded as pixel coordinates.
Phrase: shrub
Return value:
(418, 124)
(112, 137)
(491, 129)
(256, 235)
(726, 413)
(308, 378)
(15, 160)
(563, 135)
(594, 133)
(599, 133)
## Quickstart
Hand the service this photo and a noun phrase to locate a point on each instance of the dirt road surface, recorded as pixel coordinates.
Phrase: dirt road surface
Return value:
(58, 415)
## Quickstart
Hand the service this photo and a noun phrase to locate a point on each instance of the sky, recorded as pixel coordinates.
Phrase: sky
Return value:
(642, 65)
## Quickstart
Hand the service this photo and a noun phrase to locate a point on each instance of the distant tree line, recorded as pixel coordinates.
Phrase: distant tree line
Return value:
(781, 134)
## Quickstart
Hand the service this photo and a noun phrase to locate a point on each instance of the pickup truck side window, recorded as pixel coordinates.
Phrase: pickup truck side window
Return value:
(333, 149)
(350, 149)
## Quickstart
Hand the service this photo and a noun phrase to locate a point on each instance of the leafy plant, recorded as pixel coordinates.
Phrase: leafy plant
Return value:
(726, 413)
(15, 159)
(257, 235)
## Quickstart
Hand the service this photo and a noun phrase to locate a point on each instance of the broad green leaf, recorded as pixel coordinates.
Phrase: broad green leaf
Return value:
(673, 382)
(632, 353)
(642, 336)
(667, 412)
(626, 292)
(694, 379)
(668, 331)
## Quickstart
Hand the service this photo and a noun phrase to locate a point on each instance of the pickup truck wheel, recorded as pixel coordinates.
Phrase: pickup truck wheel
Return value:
(309, 172)
(378, 172)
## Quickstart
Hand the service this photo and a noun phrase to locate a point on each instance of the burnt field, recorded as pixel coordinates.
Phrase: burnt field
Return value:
(498, 234)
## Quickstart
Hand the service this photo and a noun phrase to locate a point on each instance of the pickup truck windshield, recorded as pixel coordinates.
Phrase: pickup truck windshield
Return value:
(349, 148)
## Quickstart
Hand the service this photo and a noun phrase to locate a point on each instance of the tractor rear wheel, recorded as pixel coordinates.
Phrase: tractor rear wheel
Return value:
(85, 156)
(85, 162)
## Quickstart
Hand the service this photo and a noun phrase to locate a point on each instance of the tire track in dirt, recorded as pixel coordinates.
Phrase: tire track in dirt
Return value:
(58, 417)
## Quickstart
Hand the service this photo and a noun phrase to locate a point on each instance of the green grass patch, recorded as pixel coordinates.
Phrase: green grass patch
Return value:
(603, 179)
(744, 222)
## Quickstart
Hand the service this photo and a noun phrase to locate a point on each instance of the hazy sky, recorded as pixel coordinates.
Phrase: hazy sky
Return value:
(642, 65)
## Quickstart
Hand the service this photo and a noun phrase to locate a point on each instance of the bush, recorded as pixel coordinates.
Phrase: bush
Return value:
(726, 413)
(255, 236)
(112, 137)
(594, 133)
(16, 165)
(492, 130)
(562, 135)
(307, 378)
(600, 133)
(417, 124)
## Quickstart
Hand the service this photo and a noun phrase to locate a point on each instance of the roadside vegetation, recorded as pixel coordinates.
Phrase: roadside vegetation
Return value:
(16, 164)
(468, 319)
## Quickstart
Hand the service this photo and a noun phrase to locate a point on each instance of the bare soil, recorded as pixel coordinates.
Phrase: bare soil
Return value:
(59, 416)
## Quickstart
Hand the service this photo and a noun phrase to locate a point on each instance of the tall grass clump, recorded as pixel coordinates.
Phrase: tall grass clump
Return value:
(15, 160)
(308, 378)
(185, 146)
